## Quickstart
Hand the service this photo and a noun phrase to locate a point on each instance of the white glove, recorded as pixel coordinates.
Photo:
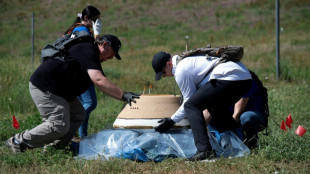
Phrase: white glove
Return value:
(97, 27)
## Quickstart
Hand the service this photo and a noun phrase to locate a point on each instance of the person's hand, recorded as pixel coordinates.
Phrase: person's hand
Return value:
(165, 124)
(97, 27)
(237, 119)
(130, 97)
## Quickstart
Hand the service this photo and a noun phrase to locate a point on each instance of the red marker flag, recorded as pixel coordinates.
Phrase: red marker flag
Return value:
(300, 131)
(283, 127)
(15, 123)
(289, 121)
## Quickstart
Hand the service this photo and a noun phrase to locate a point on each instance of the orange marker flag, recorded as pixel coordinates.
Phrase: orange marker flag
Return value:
(300, 131)
(289, 121)
(15, 123)
(150, 89)
(283, 127)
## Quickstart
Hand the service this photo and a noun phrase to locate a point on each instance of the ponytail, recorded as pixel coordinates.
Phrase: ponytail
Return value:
(89, 11)
(76, 21)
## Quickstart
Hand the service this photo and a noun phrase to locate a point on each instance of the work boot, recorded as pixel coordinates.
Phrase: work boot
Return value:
(74, 148)
(198, 156)
(14, 147)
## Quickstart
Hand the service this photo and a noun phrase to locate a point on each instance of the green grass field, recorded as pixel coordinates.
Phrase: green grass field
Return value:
(146, 27)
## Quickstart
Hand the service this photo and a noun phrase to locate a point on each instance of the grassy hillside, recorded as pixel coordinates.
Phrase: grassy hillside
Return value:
(146, 27)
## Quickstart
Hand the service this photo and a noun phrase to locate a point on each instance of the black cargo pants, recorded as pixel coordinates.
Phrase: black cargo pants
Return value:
(216, 96)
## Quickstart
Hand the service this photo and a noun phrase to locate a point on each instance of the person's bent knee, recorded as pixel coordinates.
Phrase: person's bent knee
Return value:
(188, 105)
(248, 117)
(59, 129)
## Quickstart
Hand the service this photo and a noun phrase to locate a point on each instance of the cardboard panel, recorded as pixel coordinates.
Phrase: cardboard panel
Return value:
(151, 107)
(144, 123)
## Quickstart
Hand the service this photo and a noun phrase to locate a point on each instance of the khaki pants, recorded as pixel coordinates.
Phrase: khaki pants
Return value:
(61, 119)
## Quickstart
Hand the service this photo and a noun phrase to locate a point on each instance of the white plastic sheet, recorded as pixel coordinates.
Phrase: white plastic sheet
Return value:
(148, 145)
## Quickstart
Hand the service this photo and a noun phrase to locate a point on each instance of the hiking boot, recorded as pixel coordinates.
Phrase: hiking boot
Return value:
(198, 156)
(74, 148)
(14, 147)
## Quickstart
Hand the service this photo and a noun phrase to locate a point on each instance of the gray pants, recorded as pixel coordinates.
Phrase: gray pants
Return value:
(61, 119)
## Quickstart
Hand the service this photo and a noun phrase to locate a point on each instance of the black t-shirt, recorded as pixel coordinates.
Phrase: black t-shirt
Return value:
(68, 79)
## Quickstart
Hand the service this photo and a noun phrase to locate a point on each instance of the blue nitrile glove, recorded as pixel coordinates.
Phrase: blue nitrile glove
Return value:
(130, 97)
(165, 124)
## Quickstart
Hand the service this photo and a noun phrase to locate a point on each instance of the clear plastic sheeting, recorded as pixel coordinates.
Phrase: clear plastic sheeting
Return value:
(148, 145)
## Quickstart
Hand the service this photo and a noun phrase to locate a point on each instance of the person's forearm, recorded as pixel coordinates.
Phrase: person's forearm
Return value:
(105, 85)
(239, 108)
(109, 88)
(207, 116)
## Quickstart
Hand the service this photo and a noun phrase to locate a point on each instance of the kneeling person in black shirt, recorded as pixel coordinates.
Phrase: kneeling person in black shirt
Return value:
(54, 88)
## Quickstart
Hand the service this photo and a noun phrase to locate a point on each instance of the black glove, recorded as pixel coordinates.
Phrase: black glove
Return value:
(166, 123)
(130, 97)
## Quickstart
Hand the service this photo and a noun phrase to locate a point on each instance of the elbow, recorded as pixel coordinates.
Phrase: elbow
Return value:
(96, 82)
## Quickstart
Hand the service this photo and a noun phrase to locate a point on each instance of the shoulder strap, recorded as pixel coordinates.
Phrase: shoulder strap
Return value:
(59, 48)
(211, 69)
(78, 25)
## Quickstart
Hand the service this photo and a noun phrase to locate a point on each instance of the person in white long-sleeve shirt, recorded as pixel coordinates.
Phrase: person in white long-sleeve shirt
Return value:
(222, 87)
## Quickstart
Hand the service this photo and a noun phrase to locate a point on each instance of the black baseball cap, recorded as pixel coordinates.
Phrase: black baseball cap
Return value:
(159, 61)
(114, 42)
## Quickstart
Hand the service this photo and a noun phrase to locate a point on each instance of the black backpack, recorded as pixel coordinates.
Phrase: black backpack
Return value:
(262, 91)
(58, 50)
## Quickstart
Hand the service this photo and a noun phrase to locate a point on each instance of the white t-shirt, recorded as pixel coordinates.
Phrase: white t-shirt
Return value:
(190, 71)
